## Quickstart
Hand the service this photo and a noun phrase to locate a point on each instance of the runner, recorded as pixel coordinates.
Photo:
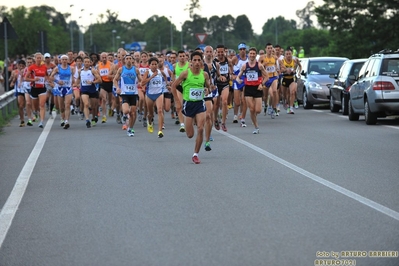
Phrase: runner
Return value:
(153, 81)
(37, 74)
(181, 65)
(239, 99)
(88, 77)
(125, 81)
(64, 83)
(255, 76)
(143, 67)
(193, 80)
(289, 66)
(269, 61)
(20, 91)
(116, 103)
(223, 68)
(27, 86)
(104, 68)
(76, 87)
(167, 95)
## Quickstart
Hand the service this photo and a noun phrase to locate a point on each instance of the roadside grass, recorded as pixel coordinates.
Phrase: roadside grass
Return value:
(4, 121)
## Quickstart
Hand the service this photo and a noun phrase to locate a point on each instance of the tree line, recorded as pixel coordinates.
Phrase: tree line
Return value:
(343, 28)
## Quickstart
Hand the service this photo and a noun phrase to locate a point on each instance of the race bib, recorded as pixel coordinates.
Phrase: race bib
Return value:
(196, 94)
(252, 76)
(86, 81)
(224, 69)
(156, 82)
(142, 71)
(130, 87)
(271, 69)
(66, 83)
(40, 81)
(104, 72)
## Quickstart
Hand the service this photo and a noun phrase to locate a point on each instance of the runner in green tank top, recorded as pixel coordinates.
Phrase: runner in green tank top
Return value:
(195, 85)
(181, 66)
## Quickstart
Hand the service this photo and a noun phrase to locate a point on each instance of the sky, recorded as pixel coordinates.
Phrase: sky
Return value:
(257, 11)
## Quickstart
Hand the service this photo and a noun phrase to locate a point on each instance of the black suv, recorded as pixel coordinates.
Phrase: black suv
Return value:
(342, 82)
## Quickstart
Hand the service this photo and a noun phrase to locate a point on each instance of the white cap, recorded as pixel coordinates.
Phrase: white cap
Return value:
(47, 55)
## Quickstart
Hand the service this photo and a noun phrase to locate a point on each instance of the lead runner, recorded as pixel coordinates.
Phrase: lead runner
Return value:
(195, 83)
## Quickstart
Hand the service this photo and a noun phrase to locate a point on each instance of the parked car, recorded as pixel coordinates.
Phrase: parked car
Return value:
(315, 79)
(342, 83)
(376, 91)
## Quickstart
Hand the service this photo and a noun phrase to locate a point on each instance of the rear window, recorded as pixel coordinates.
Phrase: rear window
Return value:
(325, 67)
(390, 67)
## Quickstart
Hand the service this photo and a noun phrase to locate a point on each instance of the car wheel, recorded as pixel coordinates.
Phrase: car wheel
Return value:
(351, 114)
(333, 107)
(371, 118)
(344, 104)
(306, 104)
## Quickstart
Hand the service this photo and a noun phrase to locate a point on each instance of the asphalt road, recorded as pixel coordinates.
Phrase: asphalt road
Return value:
(309, 183)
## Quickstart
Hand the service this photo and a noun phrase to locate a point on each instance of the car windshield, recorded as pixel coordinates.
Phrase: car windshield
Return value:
(324, 67)
(390, 67)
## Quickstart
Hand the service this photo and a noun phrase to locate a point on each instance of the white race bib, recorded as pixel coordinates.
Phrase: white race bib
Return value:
(196, 94)
(104, 72)
(86, 81)
(252, 76)
(271, 69)
(224, 69)
(40, 81)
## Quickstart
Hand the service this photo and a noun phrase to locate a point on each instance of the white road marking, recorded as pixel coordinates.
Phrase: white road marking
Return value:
(11, 206)
(372, 204)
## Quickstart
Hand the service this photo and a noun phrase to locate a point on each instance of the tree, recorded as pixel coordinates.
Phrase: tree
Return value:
(359, 28)
(194, 4)
(305, 15)
(243, 28)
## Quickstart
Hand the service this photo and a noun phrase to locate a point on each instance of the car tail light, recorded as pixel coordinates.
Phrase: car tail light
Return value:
(348, 88)
(383, 86)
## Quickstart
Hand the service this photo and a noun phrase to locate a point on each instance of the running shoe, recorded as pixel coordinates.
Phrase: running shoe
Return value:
(256, 131)
(88, 124)
(207, 146)
(224, 128)
(66, 126)
(265, 109)
(235, 119)
(243, 123)
(269, 110)
(62, 122)
(210, 138)
(163, 126)
(291, 110)
(177, 121)
(96, 119)
(144, 122)
(160, 134)
(140, 116)
(118, 119)
(110, 112)
(82, 116)
(124, 127)
(130, 132)
(196, 160)
(230, 106)
(104, 119)
(93, 123)
(296, 104)
(29, 123)
(22, 124)
(150, 128)
(217, 126)
(273, 114)
(41, 124)
(182, 129)
(288, 110)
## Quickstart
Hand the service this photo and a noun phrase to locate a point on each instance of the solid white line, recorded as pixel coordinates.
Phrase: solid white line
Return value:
(11, 206)
(372, 204)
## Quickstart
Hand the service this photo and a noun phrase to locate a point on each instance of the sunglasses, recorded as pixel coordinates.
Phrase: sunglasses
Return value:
(243, 49)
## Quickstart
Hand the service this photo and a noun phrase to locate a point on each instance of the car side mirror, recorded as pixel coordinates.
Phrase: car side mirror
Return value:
(333, 76)
(352, 77)
(303, 73)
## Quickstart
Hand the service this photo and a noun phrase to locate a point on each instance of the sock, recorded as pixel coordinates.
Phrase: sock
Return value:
(195, 154)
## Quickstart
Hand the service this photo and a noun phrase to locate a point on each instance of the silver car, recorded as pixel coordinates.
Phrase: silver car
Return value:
(313, 85)
(376, 92)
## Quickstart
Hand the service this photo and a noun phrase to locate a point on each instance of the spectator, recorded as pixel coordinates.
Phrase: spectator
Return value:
(301, 52)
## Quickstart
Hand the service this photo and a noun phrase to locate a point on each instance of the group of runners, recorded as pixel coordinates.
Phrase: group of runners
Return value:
(197, 88)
